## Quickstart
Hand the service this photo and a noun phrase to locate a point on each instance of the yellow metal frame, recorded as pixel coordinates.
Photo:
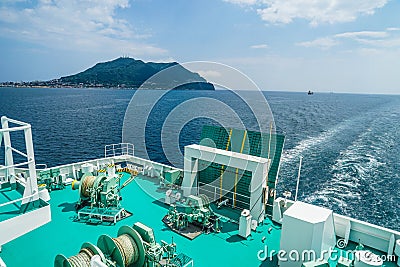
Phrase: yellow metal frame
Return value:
(237, 170)
(222, 167)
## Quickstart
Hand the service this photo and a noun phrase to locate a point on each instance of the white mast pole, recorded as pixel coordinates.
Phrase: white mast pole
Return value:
(298, 178)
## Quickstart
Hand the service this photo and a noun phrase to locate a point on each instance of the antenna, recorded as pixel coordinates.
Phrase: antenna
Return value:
(269, 162)
(298, 178)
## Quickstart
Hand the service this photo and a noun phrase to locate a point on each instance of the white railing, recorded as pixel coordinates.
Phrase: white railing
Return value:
(118, 150)
(17, 200)
(214, 192)
(31, 188)
(41, 166)
(17, 165)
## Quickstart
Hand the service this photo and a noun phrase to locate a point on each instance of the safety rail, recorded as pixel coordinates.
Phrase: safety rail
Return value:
(213, 191)
(30, 188)
(120, 149)
(17, 200)
(17, 165)
(41, 166)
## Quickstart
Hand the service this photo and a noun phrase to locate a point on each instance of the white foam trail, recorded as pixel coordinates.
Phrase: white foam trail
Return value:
(304, 145)
(355, 164)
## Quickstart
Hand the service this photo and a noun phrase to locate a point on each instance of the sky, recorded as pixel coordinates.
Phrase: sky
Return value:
(282, 45)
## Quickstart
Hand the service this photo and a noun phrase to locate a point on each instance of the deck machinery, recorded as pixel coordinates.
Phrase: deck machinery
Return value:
(99, 195)
(133, 247)
(52, 179)
(193, 217)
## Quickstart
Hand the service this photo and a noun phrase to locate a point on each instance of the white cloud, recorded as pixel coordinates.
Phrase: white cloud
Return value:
(362, 34)
(242, 2)
(316, 12)
(259, 46)
(323, 43)
(12, 1)
(385, 43)
(78, 25)
(369, 51)
(388, 38)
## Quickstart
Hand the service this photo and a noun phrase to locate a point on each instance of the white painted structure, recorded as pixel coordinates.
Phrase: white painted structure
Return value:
(34, 213)
(245, 224)
(349, 229)
(31, 193)
(20, 225)
(306, 227)
(257, 165)
(397, 251)
(279, 207)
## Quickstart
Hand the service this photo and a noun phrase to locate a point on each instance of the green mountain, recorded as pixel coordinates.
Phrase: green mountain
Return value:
(131, 73)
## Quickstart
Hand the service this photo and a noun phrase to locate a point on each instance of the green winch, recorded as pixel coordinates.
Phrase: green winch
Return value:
(133, 247)
(99, 195)
(193, 218)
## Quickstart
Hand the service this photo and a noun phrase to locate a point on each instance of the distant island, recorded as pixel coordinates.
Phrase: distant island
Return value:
(125, 72)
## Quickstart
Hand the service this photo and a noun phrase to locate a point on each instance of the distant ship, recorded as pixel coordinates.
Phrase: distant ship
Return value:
(310, 92)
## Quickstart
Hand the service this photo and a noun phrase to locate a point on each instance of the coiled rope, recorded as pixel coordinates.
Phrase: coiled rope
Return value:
(82, 259)
(205, 200)
(128, 248)
(87, 183)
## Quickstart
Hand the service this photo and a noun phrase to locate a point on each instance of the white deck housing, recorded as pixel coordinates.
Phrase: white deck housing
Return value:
(306, 227)
(257, 165)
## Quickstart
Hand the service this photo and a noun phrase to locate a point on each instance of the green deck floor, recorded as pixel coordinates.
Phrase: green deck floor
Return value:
(12, 210)
(63, 235)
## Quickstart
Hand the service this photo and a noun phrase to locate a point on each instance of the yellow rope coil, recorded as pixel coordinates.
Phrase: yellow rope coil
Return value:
(128, 248)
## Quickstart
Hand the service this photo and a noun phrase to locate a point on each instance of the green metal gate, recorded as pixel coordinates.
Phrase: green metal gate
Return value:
(220, 182)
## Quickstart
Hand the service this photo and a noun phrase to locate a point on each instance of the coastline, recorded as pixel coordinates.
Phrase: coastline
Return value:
(97, 87)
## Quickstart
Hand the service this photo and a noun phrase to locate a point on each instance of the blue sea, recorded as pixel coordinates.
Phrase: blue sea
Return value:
(350, 143)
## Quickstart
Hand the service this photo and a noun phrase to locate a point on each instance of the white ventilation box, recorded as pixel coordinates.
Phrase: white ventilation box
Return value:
(86, 168)
(397, 251)
(306, 227)
(397, 248)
